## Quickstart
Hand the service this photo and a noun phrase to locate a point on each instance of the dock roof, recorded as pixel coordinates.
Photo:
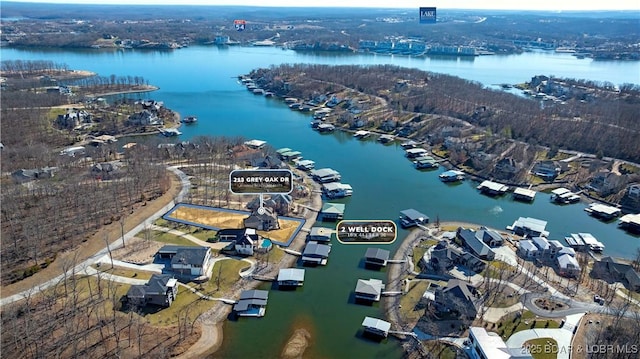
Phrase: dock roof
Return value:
(603, 209)
(245, 304)
(324, 172)
(336, 186)
(371, 286)
(412, 214)
(283, 150)
(291, 274)
(320, 232)
(315, 249)
(523, 192)
(532, 224)
(377, 253)
(254, 294)
(376, 323)
(255, 143)
(632, 219)
(493, 186)
(333, 208)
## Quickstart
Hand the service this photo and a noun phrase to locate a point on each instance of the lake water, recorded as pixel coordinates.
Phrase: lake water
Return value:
(201, 81)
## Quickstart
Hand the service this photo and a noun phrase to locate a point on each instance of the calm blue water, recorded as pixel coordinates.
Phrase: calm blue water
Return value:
(201, 81)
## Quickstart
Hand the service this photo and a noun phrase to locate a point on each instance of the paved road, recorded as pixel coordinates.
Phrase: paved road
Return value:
(185, 183)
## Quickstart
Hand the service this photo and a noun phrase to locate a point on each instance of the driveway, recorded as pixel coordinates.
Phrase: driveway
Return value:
(562, 336)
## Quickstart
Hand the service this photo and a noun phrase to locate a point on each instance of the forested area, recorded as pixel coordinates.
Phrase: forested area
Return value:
(581, 125)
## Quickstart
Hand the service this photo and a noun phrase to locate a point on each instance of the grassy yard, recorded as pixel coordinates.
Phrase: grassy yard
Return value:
(634, 295)
(186, 303)
(511, 324)
(542, 348)
(408, 301)
(420, 249)
(123, 272)
(164, 237)
(440, 349)
(495, 267)
(228, 271)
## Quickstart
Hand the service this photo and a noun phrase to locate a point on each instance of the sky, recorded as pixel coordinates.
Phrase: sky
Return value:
(553, 5)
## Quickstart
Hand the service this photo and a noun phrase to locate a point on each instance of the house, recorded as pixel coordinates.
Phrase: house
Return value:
(23, 175)
(606, 183)
(290, 277)
(332, 211)
(444, 257)
(232, 234)
(567, 265)
(489, 345)
(527, 249)
(252, 303)
(544, 248)
(315, 253)
(547, 170)
(319, 234)
(250, 244)
(73, 118)
(144, 118)
(376, 257)
(369, 290)
(161, 290)
(376, 326)
(187, 261)
(262, 219)
(529, 227)
(505, 169)
(458, 296)
(267, 162)
(474, 241)
(106, 170)
(411, 217)
(555, 247)
(281, 203)
(609, 268)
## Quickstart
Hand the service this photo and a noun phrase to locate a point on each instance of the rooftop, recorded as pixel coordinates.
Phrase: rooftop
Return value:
(291, 274)
(376, 323)
(377, 253)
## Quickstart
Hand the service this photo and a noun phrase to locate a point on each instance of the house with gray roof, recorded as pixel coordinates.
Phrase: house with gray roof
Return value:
(187, 261)
(567, 265)
(544, 248)
(474, 241)
(458, 296)
(265, 221)
(161, 290)
(611, 269)
(444, 257)
(527, 250)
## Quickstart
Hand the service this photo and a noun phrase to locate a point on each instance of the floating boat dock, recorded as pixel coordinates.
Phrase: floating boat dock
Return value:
(603, 212)
(523, 194)
(492, 188)
(451, 176)
(564, 196)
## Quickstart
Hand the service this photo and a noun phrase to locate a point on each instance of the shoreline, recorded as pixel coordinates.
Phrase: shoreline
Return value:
(212, 321)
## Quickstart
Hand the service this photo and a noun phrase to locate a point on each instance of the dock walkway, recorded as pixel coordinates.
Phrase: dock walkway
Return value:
(391, 261)
(291, 251)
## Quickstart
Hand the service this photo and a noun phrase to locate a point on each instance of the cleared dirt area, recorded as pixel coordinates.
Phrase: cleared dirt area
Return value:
(222, 219)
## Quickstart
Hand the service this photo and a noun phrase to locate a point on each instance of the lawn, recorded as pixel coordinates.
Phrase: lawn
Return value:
(542, 348)
(164, 237)
(420, 249)
(495, 267)
(185, 303)
(440, 349)
(228, 272)
(123, 272)
(408, 301)
(512, 324)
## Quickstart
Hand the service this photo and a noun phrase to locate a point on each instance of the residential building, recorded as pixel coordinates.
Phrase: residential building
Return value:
(458, 296)
(23, 175)
(187, 261)
(544, 248)
(555, 247)
(475, 241)
(160, 290)
(527, 249)
(369, 290)
(611, 269)
(144, 118)
(262, 220)
(489, 345)
(567, 265)
(444, 257)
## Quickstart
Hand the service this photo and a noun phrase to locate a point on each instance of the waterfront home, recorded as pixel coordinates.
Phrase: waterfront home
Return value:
(187, 261)
(603, 212)
(361, 135)
(544, 248)
(444, 257)
(630, 222)
(319, 234)
(412, 153)
(234, 234)
(255, 144)
(457, 297)
(529, 227)
(492, 188)
(426, 162)
(325, 175)
(336, 190)
(555, 247)
(369, 290)
(527, 249)
(249, 245)
(23, 175)
(268, 162)
(325, 127)
(262, 220)
(376, 257)
(451, 176)
(523, 194)
(376, 326)
(564, 196)
(290, 277)
(305, 165)
(411, 218)
(144, 118)
(332, 211)
(316, 253)
(613, 270)
(252, 303)
(567, 265)
(584, 242)
(475, 241)
(490, 345)
(161, 290)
